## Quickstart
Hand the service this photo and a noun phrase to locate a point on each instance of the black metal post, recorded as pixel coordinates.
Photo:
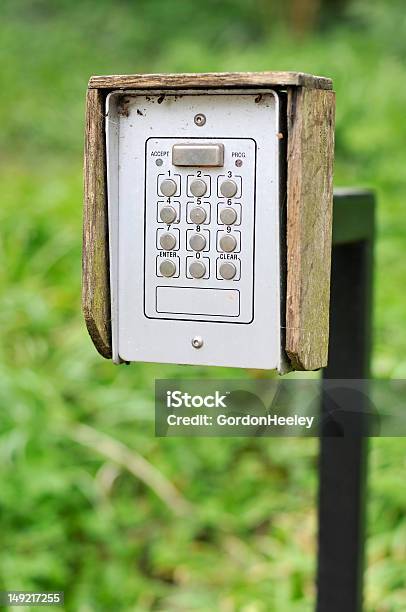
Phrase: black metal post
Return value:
(343, 459)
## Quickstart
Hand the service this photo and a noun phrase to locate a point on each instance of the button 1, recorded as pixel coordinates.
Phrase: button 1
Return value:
(167, 268)
(168, 187)
(227, 270)
(228, 243)
(198, 188)
(197, 242)
(198, 215)
(228, 189)
(168, 214)
(228, 216)
(167, 241)
(197, 269)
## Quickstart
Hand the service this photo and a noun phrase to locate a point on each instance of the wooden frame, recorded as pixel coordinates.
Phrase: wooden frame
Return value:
(309, 189)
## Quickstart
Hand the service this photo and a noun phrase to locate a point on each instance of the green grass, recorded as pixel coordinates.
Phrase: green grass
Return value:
(70, 518)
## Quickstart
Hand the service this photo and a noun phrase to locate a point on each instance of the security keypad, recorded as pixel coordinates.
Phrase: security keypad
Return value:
(213, 254)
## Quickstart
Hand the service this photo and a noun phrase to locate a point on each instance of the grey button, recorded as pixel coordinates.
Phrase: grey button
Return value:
(168, 187)
(168, 214)
(197, 242)
(198, 154)
(227, 270)
(228, 216)
(167, 268)
(198, 188)
(167, 241)
(228, 188)
(197, 269)
(198, 215)
(228, 243)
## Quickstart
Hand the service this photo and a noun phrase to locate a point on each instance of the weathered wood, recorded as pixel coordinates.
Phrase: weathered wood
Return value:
(95, 261)
(210, 80)
(309, 222)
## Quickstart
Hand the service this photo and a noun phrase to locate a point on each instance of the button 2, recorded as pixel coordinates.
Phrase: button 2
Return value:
(198, 188)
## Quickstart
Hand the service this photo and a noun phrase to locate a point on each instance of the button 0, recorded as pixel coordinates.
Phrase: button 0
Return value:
(227, 270)
(198, 215)
(168, 187)
(167, 268)
(228, 216)
(167, 214)
(228, 188)
(167, 241)
(197, 269)
(197, 242)
(198, 188)
(228, 243)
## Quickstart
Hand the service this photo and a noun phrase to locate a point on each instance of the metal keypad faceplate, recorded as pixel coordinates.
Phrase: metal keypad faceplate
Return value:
(168, 284)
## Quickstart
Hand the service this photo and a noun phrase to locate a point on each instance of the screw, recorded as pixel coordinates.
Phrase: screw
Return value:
(197, 342)
(200, 119)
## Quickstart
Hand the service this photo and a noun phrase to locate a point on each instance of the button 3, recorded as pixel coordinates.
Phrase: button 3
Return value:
(228, 188)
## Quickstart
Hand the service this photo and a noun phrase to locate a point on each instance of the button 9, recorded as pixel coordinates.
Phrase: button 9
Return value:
(228, 243)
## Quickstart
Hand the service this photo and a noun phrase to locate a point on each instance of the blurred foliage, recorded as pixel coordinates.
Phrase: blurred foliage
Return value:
(73, 520)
